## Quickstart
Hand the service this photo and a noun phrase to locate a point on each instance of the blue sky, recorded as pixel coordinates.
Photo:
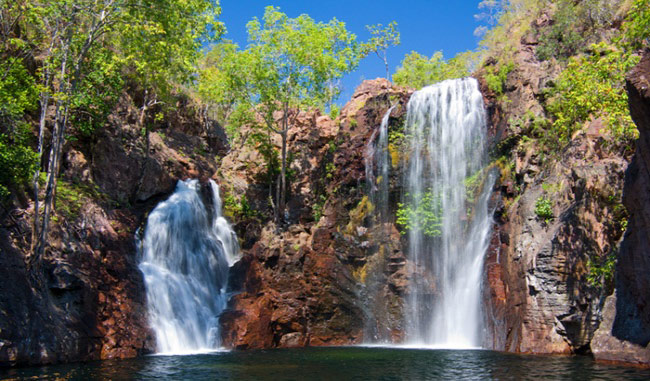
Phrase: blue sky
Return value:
(425, 26)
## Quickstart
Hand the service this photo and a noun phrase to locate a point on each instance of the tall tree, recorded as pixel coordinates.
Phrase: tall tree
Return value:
(160, 35)
(287, 67)
(382, 38)
(71, 30)
(161, 41)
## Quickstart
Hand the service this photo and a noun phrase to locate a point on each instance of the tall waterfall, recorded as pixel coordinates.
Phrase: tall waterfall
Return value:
(448, 216)
(185, 256)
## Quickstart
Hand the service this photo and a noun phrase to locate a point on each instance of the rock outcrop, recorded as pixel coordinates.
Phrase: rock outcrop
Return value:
(625, 333)
(86, 301)
(305, 284)
(557, 214)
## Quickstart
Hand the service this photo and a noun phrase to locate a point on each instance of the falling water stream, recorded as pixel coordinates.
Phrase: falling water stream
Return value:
(448, 211)
(186, 252)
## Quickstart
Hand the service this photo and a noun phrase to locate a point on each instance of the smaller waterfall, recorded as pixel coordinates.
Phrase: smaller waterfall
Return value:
(185, 256)
(378, 182)
(377, 162)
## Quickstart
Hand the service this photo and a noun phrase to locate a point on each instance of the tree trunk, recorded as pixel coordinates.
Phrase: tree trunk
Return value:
(60, 119)
(45, 100)
(386, 65)
(141, 124)
(283, 174)
(282, 193)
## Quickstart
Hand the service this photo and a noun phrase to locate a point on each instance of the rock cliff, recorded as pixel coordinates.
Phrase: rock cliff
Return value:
(556, 215)
(307, 283)
(625, 332)
(87, 300)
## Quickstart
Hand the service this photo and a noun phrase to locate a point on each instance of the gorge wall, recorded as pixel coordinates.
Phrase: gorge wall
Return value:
(329, 275)
(314, 283)
(625, 331)
(87, 300)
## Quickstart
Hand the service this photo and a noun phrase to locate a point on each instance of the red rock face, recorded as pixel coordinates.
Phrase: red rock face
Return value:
(537, 298)
(87, 301)
(307, 285)
(625, 333)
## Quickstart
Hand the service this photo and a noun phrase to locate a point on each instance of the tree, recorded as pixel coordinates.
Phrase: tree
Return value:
(418, 71)
(382, 38)
(82, 44)
(287, 66)
(161, 41)
(71, 30)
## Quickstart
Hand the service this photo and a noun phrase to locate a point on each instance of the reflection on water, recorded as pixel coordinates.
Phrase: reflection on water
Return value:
(338, 364)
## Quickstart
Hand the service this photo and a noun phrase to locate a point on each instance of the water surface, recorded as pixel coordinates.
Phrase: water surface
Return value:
(344, 363)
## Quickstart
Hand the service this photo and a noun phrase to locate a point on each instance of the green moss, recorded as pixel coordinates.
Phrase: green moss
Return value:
(358, 214)
(72, 196)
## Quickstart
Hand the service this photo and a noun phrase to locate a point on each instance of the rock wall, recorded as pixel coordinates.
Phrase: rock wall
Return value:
(87, 300)
(308, 282)
(537, 292)
(625, 332)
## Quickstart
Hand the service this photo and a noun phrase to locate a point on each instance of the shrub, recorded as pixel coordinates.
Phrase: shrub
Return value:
(426, 216)
(564, 38)
(574, 25)
(544, 209)
(593, 86)
(637, 27)
(17, 160)
(601, 271)
(496, 77)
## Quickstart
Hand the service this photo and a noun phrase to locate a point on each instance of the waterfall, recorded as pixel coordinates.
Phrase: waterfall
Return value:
(185, 255)
(378, 183)
(377, 165)
(445, 203)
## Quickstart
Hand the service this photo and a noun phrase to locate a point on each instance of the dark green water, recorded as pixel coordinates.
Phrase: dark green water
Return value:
(351, 363)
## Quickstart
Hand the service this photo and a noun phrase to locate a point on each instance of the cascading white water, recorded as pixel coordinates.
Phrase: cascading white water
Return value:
(377, 162)
(185, 257)
(448, 232)
(378, 183)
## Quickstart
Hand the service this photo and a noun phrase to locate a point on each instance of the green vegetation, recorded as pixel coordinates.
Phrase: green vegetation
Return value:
(637, 27)
(496, 77)
(317, 208)
(17, 160)
(573, 25)
(418, 71)
(424, 212)
(72, 196)
(601, 271)
(75, 58)
(288, 66)
(237, 209)
(544, 209)
(592, 87)
(382, 38)
(18, 94)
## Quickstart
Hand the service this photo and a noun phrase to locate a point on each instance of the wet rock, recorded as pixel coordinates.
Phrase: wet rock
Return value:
(306, 283)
